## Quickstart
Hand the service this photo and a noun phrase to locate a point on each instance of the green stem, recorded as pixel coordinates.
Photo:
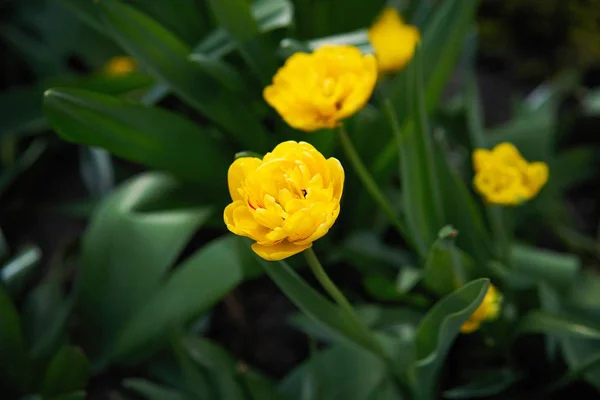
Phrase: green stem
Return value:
(340, 299)
(573, 375)
(496, 216)
(326, 282)
(369, 184)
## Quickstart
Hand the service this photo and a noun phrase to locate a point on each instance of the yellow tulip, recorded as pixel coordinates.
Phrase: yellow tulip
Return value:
(488, 310)
(393, 40)
(318, 90)
(120, 65)
(285, 201)
(504, 177)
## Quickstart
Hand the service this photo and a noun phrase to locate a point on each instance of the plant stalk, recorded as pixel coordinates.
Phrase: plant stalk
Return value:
(370, 185)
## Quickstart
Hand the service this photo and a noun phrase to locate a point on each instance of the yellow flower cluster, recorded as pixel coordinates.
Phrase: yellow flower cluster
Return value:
(285, 201)
(504, 177)
(120, 65)
(394, 41)
(318, 90)
(488, 310)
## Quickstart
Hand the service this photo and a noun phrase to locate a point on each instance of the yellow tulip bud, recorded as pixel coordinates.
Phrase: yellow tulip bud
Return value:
(120, 65)
(318, 90)
(504, 177)
(488, 310)
(393, 40)
(285, 201)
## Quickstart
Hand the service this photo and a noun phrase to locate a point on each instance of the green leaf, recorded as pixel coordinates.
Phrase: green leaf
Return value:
(151, 136)
(23, 162)
(151, 391)
(96, 171)
(67, 372)
(337, 321)
(442, 44)
(462, 212)
(71, 396)
(236, 18)
(21, 110)
(220, 365)
(195, 286)
(164, 56)
(557, 325)
(45, 315)
(558, 269)
(359, 38)
(532, 134)
(259, 387)
(223, 72)
(127, 251)
(366, 250)
(446, 267)
(269, 15)
(341, 372)
(393, 319)
(484, 385)
(188, 19)
(14, 365)
(16, 271)
(437, 332)
(84, 10)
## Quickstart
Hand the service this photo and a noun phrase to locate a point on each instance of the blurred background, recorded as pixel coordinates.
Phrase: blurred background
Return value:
(48, 188)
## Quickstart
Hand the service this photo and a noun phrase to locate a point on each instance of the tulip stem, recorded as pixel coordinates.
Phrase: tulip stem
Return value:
(369, 184)
(326, 282)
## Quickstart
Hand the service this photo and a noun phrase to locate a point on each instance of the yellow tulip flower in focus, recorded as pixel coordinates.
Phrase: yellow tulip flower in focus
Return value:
(393, 40)
(488, 310)
(285, 201)
(504, 177)
(318, 90)
(120, 65)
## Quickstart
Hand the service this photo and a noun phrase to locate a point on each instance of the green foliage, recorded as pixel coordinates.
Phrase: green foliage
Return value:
(140, 295)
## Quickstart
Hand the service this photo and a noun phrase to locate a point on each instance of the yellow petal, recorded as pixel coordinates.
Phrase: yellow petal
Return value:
(537, 176)
(336, 173)
(469, 326)
(237, 173)
(481, 157)
(507, 154)
(278, 251)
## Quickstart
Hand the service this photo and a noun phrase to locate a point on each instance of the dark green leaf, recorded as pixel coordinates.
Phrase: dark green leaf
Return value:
(67, 372)
(96, 170)
(484, 385)
(269, 14)
(71, 396)
(14, 365)
(151, 136)
(378, 318)
(152, 391)
(558, 325)
(446, 267)
(329, 316)
(442, 43)
(558, 269)
(16, 271)
(195, 286)
(220, 365)
(45, 316)
(24, 161)
(437, 332)
(342, 373)
(236, 18)
(21, 110)
(167, 58)
(223, 72)
(127, 250)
